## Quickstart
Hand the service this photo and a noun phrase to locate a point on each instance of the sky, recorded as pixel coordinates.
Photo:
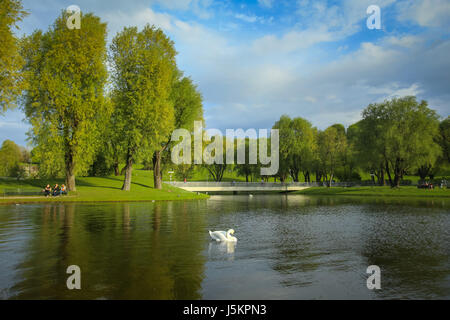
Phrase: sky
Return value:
(254, 61)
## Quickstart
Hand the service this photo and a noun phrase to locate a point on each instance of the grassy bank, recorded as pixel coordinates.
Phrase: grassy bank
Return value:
(377, 191)
(99, 189)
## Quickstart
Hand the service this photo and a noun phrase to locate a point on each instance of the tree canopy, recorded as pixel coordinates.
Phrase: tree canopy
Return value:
(11, 62)
(10, 158)
(401, 133)
(143, 71)
(66, 74)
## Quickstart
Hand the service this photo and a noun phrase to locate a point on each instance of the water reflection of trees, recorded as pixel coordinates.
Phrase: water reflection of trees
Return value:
(283, 202)
(411, 246)
(155, 250)
(125, 251)
(407, 238)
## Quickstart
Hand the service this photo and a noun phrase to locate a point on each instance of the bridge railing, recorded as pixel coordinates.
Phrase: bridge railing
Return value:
(182, 184)
(241, 184)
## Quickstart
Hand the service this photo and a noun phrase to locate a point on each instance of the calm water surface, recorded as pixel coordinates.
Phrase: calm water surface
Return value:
(289, 247)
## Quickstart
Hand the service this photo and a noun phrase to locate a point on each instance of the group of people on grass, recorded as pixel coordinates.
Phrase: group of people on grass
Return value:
(56, 191)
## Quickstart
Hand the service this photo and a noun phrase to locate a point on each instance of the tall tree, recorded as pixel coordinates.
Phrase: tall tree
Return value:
(188, 105)
(11, 84)
(365, 142)
(10, 157)
(285, 136)
(332, 145)
(297, 145)
(349, 161)
(444, 138)
(248, 170)
(66, 74)
(144, 67)
(403, 133)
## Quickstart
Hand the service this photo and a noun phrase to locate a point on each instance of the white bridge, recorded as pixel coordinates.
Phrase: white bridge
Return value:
(205, 186)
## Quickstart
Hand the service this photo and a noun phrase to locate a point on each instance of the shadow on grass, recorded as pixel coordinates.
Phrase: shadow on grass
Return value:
(132, 182)
(94, 182)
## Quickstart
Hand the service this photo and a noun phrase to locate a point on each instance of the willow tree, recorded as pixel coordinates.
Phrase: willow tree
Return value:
(444, 138)
(297, 144)
(405, 134)
(11, 84)
(66, 74)
(188, 106)
(332, 145)
(143, 71)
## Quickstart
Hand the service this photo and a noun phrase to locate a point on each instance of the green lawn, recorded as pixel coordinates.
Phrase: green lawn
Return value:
(378, 191)
(99, 189)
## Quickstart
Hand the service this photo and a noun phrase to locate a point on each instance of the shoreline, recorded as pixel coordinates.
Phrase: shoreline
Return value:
(380, 192)
(5, 201)
(95, 189)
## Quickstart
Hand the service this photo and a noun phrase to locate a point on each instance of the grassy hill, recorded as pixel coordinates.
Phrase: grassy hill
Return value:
(98, 189)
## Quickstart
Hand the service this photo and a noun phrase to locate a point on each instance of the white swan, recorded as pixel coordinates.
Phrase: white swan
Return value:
(223, 236)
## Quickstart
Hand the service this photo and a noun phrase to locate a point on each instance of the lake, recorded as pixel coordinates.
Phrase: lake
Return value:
(289, 247)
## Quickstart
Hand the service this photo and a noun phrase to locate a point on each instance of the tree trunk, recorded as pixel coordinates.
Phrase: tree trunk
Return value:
(382, 180)
(397, 180)
(329, 181)
(307, 177)
(318, 176)
(389, 175)
(70, 175)
(128, 171)
(397, 173)
(157, 180)
(116, 169)
(294, 174)
(423, 171)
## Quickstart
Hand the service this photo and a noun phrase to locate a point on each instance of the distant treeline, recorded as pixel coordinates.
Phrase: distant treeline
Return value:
(395, 138)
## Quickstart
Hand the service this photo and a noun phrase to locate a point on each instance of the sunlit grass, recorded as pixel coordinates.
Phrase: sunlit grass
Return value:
(100, 189)
(407, 191)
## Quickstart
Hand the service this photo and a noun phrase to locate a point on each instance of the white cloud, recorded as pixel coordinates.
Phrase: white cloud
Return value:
(247, 18)
(265, 3)
(250, 83)
(119, 19)
(426, 13)
(292, 41)
(406, 41)
(344, 18)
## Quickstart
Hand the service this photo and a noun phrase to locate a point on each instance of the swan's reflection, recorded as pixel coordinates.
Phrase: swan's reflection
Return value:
(222, 248)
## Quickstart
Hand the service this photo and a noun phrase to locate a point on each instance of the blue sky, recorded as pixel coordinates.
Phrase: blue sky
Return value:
(256, 60)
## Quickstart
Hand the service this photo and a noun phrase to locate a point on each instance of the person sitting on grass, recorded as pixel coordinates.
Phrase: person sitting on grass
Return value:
(56, 190)
(47, 190)
(63, 190)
